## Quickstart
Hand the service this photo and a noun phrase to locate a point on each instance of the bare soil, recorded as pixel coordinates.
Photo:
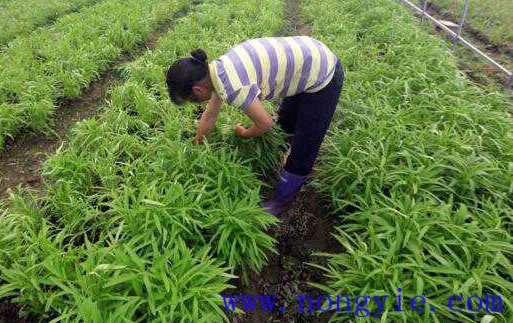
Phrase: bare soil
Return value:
(9, 314)
(305, 230)
(21, 160)
(293, 23)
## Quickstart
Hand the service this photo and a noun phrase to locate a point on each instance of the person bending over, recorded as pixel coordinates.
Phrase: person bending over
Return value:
(300, 72)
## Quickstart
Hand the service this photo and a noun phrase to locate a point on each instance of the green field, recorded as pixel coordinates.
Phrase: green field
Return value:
(40, 69)
(21, 17)
(135, 223)
(420, 169)
(492, 19)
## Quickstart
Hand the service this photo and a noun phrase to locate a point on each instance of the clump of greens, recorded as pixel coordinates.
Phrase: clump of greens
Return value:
(138, 224)
(418, 165)
(39, 69)
(21, 17)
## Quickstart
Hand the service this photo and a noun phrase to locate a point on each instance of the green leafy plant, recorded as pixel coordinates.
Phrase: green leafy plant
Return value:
(21, 17)
(60, 60)
(418, 165)
(138, 223)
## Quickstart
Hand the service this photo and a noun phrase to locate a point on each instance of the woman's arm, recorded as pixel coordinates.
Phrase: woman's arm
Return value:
(261, 118)
(208, 118)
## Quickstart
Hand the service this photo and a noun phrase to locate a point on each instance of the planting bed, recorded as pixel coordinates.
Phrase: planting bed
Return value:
(131, 209)
(488, 29)
(38, 70)
(420, 167)
(21, 17)
(296, 240)
(491, 19)
(21, 161)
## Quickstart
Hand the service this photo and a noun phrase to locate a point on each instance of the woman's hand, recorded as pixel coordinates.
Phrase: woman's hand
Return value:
(201, 130)
(262, 121)
(240, 131)
(198, 139)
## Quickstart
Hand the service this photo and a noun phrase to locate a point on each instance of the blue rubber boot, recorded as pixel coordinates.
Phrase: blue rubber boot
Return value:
(286, 190)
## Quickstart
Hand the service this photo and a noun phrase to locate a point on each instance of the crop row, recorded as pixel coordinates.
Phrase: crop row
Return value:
(60, 60)
(490, 18)
(418, 165)
(21, 17)
(138, 224)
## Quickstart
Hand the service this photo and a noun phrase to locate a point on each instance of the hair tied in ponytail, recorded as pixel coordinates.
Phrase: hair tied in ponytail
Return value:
(196, 60)
(199, 56)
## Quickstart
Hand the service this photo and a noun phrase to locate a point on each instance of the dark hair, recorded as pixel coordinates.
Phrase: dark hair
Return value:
(183, 73)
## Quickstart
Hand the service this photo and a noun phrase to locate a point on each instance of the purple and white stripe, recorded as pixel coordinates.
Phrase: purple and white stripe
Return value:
(309, 65)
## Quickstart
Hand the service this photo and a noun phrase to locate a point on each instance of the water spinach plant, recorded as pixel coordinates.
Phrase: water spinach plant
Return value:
(19, 18)
(137, 223)
(59, 61)
(418, 166)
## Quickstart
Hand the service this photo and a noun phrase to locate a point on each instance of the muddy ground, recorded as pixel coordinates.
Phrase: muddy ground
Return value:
(9, 314)
(305, 230)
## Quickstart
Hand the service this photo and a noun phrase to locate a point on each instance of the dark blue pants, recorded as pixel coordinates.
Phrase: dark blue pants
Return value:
(307, 117)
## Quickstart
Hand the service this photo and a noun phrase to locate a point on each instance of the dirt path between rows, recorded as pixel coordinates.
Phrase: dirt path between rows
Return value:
(305, 230)
(506, 49)
(21, 160)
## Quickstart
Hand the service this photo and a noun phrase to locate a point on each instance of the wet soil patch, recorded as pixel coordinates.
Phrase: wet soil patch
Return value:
(293, 23)
(9, 314)
(305, 230)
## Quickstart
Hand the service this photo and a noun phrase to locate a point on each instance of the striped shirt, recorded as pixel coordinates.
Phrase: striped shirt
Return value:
(272, 68)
